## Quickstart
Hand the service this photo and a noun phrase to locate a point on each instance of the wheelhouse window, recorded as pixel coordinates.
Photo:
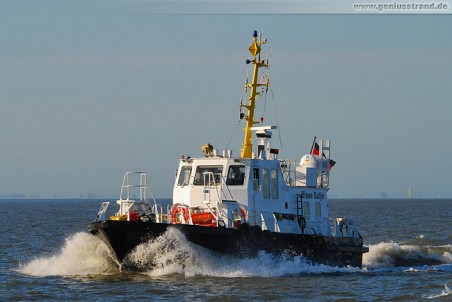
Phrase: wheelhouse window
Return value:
(274, 181)
(184, 176)
(212, 174)
(306, 209)
(266, 183)
(256, 184)
(318, 209)
(236, 175)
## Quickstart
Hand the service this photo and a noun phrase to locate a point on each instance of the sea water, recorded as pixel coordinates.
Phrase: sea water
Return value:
(48, 254)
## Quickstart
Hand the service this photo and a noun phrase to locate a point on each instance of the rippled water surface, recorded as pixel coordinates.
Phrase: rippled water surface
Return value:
(47, 254)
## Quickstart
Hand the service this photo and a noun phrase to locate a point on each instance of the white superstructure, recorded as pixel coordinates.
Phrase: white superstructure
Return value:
(278, 195)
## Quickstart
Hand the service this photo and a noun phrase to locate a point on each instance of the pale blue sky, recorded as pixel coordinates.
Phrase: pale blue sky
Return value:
(90, 90)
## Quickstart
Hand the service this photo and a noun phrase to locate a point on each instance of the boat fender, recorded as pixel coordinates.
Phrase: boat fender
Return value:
(302, 223)
(144, 218)
(221, 224)
(148, 217)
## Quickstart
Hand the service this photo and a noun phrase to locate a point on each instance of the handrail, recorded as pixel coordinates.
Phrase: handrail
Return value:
(210, 176)
(343, 227)
(101, 213)
(135, 180)
(288, 170)
(319, 225)
(224, 184)
(206, 191)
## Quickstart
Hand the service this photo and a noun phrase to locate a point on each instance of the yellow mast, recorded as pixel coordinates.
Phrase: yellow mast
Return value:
(255, 50)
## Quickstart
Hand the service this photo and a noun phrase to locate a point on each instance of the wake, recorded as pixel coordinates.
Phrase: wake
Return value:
(446, 292)
(84, 255)
(392, 254)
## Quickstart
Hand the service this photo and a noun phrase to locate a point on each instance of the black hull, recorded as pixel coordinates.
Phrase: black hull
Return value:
(245, 241)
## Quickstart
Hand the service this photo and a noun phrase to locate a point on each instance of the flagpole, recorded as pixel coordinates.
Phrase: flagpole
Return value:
(313, 144)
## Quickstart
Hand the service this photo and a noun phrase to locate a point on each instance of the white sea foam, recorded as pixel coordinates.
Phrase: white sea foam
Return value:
(171, 253)
(390, 254)
(412, 270)
(447, 255)
(84, 254)
(81, 255)
(444, 293)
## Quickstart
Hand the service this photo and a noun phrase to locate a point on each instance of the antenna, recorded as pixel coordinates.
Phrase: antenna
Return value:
(255, 50)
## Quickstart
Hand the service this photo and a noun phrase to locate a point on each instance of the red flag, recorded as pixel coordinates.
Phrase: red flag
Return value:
(332, 163)
(316, 149)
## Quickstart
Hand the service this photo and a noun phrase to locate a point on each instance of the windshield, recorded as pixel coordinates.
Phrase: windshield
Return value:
(215, 175)
(236, 175)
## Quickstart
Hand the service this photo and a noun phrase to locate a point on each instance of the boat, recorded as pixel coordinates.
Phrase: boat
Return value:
(241, 205)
